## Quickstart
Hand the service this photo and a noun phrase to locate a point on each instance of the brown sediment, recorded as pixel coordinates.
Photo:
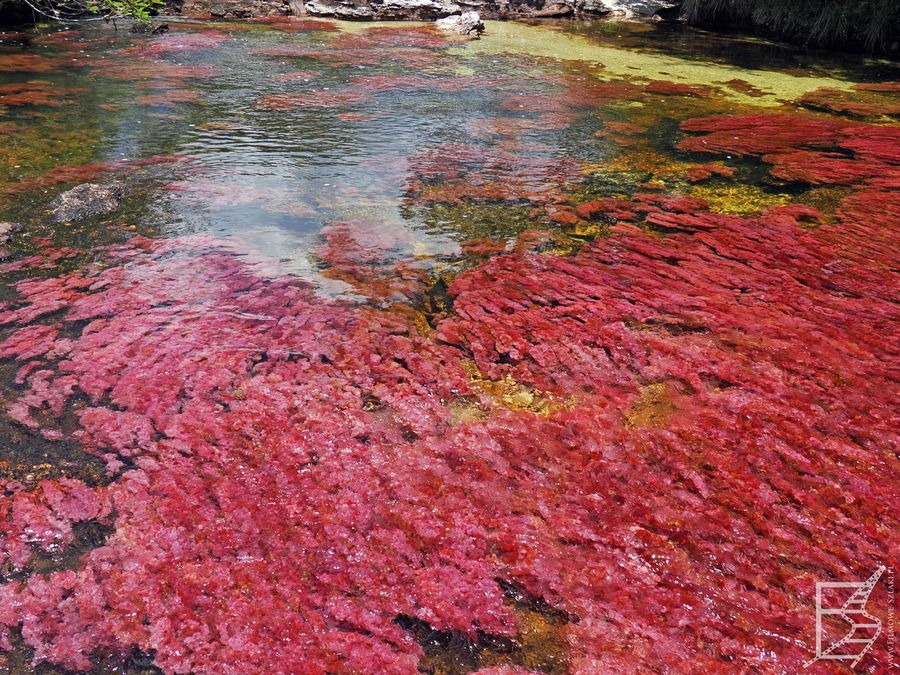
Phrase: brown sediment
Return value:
(540, 644)
(652, 409)
(826, 200)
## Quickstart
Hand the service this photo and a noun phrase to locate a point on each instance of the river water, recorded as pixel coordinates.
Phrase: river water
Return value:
(568, 349)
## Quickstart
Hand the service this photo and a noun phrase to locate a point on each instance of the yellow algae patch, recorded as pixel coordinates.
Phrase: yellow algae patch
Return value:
(643, 159)
(464, 411)
(653, 408)
(585, 230)
(738, 199)
(544, 41)
(509, 394)
(421, 323)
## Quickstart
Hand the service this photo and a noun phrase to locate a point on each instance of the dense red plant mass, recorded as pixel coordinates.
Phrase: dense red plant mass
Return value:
(293, 479)
(803, 148)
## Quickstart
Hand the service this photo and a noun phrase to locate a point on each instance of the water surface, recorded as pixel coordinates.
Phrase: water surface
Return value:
(404, 352)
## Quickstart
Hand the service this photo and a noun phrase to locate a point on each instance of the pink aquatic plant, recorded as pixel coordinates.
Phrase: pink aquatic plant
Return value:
(664, 437)
(177, 42)
(294, 479)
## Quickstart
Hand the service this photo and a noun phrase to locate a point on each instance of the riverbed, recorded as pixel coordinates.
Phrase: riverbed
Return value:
(572, 348)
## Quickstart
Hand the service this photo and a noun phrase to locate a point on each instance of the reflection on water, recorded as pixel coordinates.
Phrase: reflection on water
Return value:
(415, 352)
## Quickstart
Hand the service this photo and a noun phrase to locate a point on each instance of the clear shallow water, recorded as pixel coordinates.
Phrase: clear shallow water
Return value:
(272, 177)
(376, 164)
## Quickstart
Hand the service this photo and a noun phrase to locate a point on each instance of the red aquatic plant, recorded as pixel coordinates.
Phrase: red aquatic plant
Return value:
(458, 172)
(225, 194)
(878, 86)
(704, 171)
(85, 173)
(822, 168)
(392, 38)
(297, 76)
(665, 438)
(32, 63)
(293, 52)
(42, 519)
(871, 102)
(369, 257)
(802, 148)
(36, 93)
(177, 42)
(758, 134)
(677, 89)
(621, 133)
(355, 117)
(153, 70)
(582, 89)
(321, 98)
(294, 468)
(744, 87)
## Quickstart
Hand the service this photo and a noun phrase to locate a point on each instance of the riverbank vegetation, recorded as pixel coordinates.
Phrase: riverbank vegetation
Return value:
(22, 11)
(873, 25)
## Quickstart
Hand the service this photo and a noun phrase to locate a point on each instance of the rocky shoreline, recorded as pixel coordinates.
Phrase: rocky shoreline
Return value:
(429, 10)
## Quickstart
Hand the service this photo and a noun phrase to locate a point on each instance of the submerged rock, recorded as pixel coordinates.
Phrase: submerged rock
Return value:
(86, 200)
(467, 23)
(7, 230)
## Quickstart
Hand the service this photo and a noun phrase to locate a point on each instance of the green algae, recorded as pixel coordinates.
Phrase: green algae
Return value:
(548, 42)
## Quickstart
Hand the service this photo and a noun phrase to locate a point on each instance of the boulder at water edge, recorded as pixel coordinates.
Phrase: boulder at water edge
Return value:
(467, 23)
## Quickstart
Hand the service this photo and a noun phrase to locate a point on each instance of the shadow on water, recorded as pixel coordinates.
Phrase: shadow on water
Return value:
(733, 48)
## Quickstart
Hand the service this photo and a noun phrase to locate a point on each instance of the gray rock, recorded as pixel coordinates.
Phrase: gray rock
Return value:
(86, 200)
(467, 23)
(7, 230)
(553, 10)
(339, 10)
(625, 8)
(429, 10)
(422, 10)
(236, 8)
